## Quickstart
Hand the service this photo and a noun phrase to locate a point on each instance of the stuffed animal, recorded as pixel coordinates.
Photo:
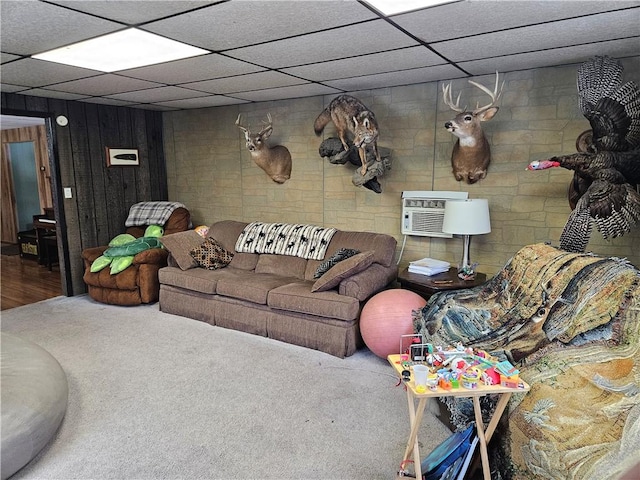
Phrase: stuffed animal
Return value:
(123, 247)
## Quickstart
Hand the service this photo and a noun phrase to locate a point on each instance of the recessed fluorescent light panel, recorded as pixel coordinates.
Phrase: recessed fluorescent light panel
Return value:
(129, 48)
(392, 7)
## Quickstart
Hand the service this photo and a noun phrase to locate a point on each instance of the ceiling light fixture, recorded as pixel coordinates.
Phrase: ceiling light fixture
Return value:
(130, 48)
(393, 7)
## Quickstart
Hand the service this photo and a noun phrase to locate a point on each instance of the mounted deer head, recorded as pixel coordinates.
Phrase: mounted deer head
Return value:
(471, 153)
(275, 161)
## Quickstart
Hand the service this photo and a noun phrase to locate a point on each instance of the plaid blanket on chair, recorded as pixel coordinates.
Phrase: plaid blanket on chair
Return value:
(151, 213)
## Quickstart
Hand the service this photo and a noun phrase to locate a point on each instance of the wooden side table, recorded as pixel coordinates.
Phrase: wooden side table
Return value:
(416, 413)
(426, 286)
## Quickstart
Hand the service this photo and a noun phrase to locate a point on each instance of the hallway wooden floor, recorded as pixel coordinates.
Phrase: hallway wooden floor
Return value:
(23, 281)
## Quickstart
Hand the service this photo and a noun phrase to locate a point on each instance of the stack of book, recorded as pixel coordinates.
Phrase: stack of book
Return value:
(428, 266)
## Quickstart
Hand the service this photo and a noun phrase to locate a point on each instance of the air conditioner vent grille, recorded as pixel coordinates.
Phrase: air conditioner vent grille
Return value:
(428, 221)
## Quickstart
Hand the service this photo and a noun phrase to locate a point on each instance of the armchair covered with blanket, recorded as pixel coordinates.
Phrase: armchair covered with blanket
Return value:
(570, 322)
(138, 283)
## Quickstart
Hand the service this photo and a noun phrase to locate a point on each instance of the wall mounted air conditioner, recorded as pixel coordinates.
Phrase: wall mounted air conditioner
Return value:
(423, 212)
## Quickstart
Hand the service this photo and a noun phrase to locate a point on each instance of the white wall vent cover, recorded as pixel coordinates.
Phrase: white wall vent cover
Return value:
(423, 212)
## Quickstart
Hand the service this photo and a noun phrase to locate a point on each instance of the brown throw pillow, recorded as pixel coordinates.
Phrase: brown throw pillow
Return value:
(180, 245)
(342, 270)
(211, 255)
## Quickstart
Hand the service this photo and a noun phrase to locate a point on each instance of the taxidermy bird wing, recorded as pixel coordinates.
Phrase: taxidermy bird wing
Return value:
(613, 207)
(613, 111)
(612, 108)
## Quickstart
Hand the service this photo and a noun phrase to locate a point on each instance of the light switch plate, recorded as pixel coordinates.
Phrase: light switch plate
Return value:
(67, 192)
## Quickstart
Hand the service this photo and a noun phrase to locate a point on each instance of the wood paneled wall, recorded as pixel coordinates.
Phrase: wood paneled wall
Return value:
(101, 195)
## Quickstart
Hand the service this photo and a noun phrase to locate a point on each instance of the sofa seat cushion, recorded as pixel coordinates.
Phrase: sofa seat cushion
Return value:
(297, 297)
(250, 286)
(196, 279)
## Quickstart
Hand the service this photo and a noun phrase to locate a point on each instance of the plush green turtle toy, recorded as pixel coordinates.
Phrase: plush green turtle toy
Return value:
(123, 247)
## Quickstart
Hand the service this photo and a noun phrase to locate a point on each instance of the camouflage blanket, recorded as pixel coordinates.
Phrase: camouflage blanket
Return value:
(571, 322)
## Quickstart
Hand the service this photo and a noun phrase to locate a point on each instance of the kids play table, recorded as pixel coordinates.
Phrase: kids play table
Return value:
(416, 413)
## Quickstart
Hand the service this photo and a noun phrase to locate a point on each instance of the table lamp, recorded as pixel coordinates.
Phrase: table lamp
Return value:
(466, 217)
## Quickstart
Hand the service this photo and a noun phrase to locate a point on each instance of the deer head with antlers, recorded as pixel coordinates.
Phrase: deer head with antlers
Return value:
(275, 161)
(471, 153)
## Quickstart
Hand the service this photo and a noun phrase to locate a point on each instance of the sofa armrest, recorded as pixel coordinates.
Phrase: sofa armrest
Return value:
(368, 282)
(155, 256)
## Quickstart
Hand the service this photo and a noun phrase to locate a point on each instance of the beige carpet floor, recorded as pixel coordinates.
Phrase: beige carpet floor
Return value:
(153, 395)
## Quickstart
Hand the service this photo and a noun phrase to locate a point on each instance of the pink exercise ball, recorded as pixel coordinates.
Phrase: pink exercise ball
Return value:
(386, 317)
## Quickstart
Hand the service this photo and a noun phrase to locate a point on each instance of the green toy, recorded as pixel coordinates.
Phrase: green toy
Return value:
(124, 247)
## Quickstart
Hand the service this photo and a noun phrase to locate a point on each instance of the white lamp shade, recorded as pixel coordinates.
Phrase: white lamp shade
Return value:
(466, 217)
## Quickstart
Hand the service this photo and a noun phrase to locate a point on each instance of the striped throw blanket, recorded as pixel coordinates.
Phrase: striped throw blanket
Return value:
(297, 240)
(150, 213)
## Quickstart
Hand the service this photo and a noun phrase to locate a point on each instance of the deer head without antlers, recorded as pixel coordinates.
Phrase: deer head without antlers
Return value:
(275, 161)
(471, 153)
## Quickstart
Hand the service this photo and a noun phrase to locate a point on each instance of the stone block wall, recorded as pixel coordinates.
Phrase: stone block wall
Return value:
(210, 170)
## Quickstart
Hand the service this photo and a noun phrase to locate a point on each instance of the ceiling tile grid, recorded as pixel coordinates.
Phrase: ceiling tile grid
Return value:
(264, 50)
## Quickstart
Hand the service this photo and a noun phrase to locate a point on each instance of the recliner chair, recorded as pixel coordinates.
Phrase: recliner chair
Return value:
(138, 283)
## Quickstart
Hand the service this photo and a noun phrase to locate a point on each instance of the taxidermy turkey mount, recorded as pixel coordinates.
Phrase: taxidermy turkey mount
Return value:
(604, 185)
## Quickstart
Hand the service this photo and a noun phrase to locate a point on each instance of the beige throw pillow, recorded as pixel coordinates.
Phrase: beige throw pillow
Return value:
(180, 245)
(342, 270)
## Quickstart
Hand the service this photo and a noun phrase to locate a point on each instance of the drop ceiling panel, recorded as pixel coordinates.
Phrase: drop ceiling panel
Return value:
(241, 23)
(5, 87)
(297, 91)
(279, 49)
(255, 81)
(394, 60)
(405, 77)
(110, 101)
(43, 92)
(563, 33)
(203, 67)
(7, 57)
(202, 102)
(103, 85)
(158, 95)
(464, 19)
(37, 73)
(361, 39)
(133, 12)
(34, 27)
(561, 56)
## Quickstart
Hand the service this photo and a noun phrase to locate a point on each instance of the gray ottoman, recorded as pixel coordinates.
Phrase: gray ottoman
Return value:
(34, 401)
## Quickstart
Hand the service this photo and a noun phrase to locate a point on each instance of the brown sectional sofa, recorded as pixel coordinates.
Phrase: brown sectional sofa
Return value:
(271, 295)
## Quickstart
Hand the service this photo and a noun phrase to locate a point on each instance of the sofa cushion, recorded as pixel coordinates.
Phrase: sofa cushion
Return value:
(227, 232)
(334, 259)
(245, 261)
(342, 270)
(211, 255)
(283, 265)
(196, 279)
(180, 245)
(297, 297)
(250, 286)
